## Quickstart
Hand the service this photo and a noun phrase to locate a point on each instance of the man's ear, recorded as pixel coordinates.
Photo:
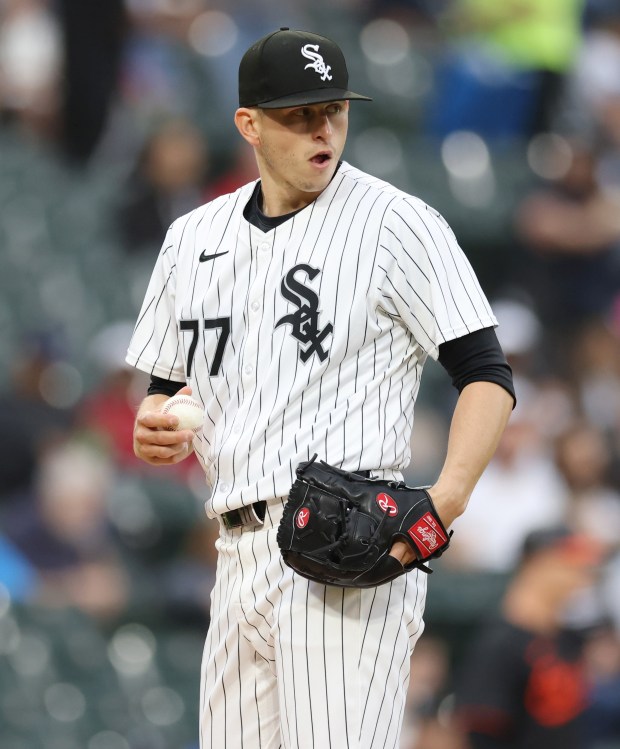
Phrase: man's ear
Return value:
(245, 120)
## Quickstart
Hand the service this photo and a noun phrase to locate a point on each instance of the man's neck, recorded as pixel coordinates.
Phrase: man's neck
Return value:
(277, 199)
(254, 213)
(275, 203)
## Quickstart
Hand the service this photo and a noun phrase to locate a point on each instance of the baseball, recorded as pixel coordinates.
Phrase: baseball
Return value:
(188, 410)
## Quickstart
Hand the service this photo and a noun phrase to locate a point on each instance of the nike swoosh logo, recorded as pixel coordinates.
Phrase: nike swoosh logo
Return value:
(203, 258)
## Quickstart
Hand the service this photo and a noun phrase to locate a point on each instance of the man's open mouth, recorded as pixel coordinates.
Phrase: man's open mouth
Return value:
(320, 158)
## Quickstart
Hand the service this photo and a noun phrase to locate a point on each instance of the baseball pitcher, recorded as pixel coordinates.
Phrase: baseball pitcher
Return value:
(300, 311)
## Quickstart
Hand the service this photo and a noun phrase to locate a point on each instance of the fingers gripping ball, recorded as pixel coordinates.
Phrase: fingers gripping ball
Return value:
(188, 410)
(338, 527)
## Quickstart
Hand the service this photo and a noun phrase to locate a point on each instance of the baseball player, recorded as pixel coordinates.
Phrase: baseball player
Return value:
(300, 311)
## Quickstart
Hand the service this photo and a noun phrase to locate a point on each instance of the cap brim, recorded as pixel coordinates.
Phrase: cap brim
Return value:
(576, 548)
(310, 97)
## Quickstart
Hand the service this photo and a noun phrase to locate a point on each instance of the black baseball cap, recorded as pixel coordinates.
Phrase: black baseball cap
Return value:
(579, 547)
(291, 68)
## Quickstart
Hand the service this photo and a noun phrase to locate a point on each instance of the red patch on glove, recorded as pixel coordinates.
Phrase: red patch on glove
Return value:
(387, 504)
(301, 521)
(427, 535)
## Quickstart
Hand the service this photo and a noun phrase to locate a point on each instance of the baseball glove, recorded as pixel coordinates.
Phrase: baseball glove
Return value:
(338, 527)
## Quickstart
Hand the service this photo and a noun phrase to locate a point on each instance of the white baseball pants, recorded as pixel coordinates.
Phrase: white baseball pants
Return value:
(295, 664)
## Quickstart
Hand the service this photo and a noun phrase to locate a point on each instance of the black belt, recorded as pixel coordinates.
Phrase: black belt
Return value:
(248, 515)
(255, 514)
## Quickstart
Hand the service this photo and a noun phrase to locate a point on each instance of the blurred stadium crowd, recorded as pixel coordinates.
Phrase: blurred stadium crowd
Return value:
(115, 118)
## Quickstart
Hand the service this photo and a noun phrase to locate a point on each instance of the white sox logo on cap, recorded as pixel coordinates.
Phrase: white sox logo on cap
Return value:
(272, 76)
(311, 52)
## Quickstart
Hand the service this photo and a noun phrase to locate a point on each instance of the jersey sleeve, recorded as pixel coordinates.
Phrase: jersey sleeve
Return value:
(427, 280)
(154, 346)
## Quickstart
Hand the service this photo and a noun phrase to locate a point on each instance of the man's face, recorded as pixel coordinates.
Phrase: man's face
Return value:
(299, 147)
(569, 567)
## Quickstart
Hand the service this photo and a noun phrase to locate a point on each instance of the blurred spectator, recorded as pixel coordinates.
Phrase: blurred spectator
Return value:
(107, 412)
(520, 491)
(168, 181)
(523, 683)
(61, 528)
(602, 658)
(425, 725)
(242, 170)
(522, 488)
(571, 229)
(430, 669)
(594, 368)
(179, 61)
(504, 70)
(583, 457)
(591, 106)
(520, 334)
(435, 733)
(93, 35)
(28, 421)
(109, 409)
(30, 67)
(188, 579)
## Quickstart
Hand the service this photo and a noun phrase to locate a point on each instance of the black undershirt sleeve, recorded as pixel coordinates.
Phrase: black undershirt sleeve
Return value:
(159, 386)
(476, 357)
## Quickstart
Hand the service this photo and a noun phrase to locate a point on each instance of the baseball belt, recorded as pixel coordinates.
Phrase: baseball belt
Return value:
(254, 514)
(246, 515)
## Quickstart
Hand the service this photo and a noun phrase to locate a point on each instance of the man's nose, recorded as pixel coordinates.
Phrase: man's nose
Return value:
(323, 126)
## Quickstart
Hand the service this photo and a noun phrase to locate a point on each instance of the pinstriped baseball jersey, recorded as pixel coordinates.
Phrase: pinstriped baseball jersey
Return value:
(309, 338)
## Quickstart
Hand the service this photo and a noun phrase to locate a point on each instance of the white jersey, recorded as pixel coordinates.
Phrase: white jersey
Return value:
(309, 338)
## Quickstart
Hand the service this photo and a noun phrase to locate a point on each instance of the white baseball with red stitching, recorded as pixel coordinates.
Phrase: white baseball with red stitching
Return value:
(189, 412)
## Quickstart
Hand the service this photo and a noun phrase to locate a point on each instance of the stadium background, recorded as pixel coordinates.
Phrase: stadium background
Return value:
(115, 118)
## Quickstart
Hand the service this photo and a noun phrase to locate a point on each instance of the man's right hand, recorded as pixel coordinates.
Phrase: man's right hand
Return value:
(154, 440)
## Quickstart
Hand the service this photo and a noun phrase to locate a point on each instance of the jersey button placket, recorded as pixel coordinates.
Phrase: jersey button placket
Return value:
(257, 289)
